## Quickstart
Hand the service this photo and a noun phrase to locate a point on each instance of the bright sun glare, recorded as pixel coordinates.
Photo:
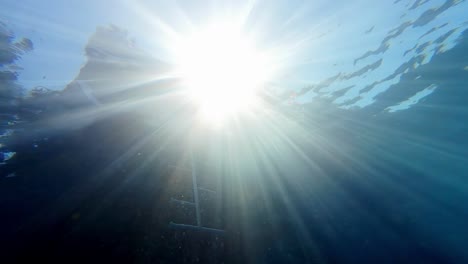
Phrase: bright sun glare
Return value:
(222, 69)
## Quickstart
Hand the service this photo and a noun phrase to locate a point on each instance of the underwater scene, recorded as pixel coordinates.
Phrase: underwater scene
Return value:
(234, 131)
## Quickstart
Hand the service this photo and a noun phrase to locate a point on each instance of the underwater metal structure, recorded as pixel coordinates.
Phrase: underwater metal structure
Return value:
(195, 203)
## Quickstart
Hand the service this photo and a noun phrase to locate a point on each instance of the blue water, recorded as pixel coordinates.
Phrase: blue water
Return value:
(359, 153)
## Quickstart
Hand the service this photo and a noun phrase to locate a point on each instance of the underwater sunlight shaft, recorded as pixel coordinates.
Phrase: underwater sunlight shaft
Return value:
(222, 69)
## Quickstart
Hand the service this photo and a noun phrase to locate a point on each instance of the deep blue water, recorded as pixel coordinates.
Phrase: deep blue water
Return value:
(89, 172)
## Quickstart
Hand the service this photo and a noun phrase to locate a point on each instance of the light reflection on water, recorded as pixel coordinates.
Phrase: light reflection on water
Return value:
(358, 152)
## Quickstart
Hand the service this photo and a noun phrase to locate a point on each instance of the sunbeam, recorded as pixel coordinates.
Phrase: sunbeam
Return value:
(229, 131)
(222, 68)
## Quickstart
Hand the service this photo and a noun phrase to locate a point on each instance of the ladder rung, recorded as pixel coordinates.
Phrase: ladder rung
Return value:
(206, 190)
(196, 228)
(182, 202)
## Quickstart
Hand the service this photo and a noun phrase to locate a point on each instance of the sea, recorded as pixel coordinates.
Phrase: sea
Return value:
(356, 153)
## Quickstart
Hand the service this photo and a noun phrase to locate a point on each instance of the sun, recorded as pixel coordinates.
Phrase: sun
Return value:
(222, 69)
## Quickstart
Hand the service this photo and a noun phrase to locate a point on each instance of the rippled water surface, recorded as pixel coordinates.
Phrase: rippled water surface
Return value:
(125, 137)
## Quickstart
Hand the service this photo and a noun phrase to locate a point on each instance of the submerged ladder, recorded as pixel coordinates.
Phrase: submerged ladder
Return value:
(195, 203)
